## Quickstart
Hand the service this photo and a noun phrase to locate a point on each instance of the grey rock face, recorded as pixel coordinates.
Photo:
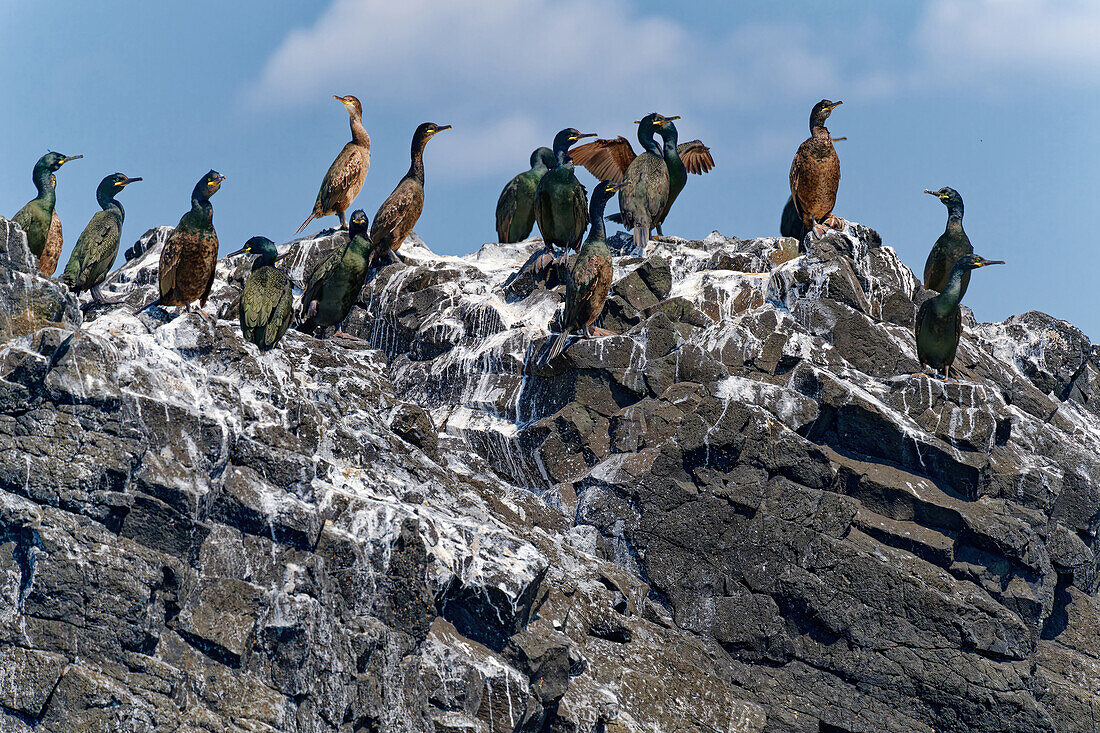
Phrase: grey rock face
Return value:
(739, 514)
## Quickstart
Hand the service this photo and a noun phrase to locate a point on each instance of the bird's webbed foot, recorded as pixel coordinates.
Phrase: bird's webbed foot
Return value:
(99, 297)
(597, 332)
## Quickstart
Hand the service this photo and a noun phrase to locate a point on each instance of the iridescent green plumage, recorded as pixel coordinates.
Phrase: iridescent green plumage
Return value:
(334, 284)
(516, 205)
(643, 199)
(35, 217)
(97, 247)
(266, 300)
(561, 203)
(938, 327)
(950, 246)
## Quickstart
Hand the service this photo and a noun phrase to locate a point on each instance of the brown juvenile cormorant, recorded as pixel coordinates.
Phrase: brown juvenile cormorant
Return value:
(266, 299)
(55, 240)
(815, 173)
(590, 277)
(35, 218)
(333, 286)
(609, 159)
(516, 205)
(790, 223)
(97, 247)
(190, 255)
(561, 203)
(951, 245)
(345, 176)
(939, 320)
(399, 213)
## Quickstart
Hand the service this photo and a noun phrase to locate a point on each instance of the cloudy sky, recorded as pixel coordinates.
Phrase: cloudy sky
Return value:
(996, 98)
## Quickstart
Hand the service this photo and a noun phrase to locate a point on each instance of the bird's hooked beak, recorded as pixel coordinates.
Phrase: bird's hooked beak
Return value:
(618, 186)
(834, 106)
(441, 128)
(240, 251)
(128, 181)
(984, 262)
(586, 134)
(283, 256)
(340, 99)
(837, 139)
(67, 158)
(931, 193)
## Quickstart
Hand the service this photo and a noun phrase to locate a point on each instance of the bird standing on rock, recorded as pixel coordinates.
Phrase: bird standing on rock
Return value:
(950, 246)
(399, 213)
(939, 320)
(36, 216)
(266, 299)
(346, 175)
(333, 285)
(815, 173)
(516, 205)
(190, 255)
(590, 277)
(561, 203)
(55, 240)
(97, 247)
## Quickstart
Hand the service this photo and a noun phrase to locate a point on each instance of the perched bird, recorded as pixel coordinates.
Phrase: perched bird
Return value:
(590, 277)
(35, 218)
(815, 172)
(609, 159)
(399, 213)
(561, 203)
(345, 176)
(190, 256)
(266, 299)
(790, 223)
(939, 320)
(334, 284)
(951, 245)
(55, 241)
(97, 247)
(516, 205)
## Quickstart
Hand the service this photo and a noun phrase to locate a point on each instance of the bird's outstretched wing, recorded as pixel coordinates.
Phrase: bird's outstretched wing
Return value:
(607, 160)
(696, 157)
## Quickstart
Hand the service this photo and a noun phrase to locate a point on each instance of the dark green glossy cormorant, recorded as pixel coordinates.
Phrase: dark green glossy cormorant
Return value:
(97, 247)
(345, 176)
(951, 245)
(815, 172)
(399, 213)
(610, 159)
(190, 255)
(939, 320)
(516, 205)
(35, 218)
(55, 240)
(590, 277)
(334, 284)
(561, 203)
(266, 299)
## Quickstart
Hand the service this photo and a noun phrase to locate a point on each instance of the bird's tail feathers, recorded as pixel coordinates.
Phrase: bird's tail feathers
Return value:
(641, 240)
(558, 346)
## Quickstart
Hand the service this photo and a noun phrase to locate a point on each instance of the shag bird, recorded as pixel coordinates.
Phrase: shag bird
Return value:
(516, 205)
(939, 320)
(399, 213)
(190, 255)
(815, 173)
(334, 284)
(609, 159)
(345, 176)
(97, 247)
(951, 245)
(590, 277)
(35, 218)
(790, 223)
(561, 203)
(55, 240)
(266, 299)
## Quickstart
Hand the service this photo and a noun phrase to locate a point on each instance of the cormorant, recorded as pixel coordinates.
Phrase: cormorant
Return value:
(266, 299)
(561, 203)
(516, 205)
(35, 218)
(939, 320)
(399, 213)
(97, 247)
(951, 245)
(609, 159)
(590, 277)
(55, 240)
(334, 284)
(815, 172)
(345, 176)
(790, 223)
(190, 256)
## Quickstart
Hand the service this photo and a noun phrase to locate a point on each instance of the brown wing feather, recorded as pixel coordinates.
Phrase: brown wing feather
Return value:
(51, 253)
(397, 215)
(607, 160)
(169, 261)
(343, 181)
(696, 156)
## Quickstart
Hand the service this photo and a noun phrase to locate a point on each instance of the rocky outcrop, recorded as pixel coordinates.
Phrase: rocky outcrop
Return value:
(743, 513)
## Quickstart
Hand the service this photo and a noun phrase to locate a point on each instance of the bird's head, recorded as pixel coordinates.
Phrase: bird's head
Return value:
(606, 189)
(567, 137)
(821, 112)
(53, 161)
(973, 262)
(358, 223)
(263, 247)
(544, 156)
(949, 196)
(426, 131)
(114, 183)
(208, 185)
(351, 103)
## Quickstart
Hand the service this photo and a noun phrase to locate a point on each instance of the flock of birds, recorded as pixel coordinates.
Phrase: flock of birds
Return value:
(548, 195)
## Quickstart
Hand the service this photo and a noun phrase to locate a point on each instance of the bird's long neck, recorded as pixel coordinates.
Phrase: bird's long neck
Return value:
(648, 140)
(109, 203)
(820, 132)
(950, 297)
(201, 206)
(955, 214)
(358, 132)
(42, 185)
(416, 167)
(266, 259)
(539, 167)
(595, 219)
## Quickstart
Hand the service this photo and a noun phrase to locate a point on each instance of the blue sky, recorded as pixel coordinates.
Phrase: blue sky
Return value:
(996, 98)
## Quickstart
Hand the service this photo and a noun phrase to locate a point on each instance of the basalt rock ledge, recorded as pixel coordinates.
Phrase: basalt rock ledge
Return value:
(743, 513)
